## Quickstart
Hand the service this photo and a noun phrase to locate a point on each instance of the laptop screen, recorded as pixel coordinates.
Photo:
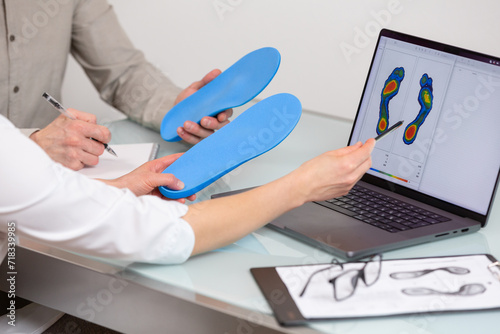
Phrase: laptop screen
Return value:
(448, 147)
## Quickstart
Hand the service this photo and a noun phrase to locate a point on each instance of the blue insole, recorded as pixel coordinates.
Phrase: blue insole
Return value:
(234, 87)
(256, 131)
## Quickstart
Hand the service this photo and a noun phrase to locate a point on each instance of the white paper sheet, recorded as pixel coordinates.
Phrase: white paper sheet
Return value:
(129, 157)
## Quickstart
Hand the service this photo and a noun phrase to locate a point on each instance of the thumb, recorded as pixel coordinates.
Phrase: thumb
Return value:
(206, 79)
(166, 180)
(210, 76)
(370, 143)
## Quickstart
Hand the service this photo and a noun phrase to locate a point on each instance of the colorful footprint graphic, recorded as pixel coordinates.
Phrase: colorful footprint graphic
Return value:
(425, 98)
(391, 88)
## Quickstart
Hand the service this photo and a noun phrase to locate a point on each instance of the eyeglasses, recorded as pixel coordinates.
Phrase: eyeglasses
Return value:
(346, 282)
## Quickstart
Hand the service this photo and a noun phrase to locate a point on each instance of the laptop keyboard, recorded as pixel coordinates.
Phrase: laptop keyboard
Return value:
(382, 211)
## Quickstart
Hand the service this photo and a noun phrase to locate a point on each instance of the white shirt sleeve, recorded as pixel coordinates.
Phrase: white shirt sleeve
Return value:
(54, 205)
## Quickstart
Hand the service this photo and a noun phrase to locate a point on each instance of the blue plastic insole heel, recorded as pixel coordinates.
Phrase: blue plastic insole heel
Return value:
(234, 87)
(255, 131)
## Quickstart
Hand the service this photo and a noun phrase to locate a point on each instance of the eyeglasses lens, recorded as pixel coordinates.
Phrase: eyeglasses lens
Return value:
(345, 284)
(372, 271)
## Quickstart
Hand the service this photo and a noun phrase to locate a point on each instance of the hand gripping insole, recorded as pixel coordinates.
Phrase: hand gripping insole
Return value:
(234, 87)
(255, 131)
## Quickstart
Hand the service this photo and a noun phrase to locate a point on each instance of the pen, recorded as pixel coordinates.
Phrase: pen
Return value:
(66, 113)
(392, 128)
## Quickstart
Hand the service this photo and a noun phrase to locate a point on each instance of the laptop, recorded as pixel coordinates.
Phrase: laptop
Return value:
(434, 177)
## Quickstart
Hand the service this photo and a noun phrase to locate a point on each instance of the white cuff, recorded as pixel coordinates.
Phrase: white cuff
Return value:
(28, 132)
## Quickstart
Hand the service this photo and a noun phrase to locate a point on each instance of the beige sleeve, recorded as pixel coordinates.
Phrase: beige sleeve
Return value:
(119, 71)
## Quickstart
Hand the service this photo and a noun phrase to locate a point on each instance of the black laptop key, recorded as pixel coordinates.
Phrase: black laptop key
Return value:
(337, 208)
(431, 220)
(382, 211)
(400, 227)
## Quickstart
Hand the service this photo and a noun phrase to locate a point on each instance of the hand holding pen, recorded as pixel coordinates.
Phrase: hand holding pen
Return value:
(68, 141)
(66, 113)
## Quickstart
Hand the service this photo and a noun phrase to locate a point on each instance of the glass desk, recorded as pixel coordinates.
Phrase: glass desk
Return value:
(215, 292)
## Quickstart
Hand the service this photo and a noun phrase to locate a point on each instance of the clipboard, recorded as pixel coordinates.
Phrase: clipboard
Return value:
(280, 289)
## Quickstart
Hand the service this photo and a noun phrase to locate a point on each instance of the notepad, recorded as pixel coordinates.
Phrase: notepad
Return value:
(130, 156)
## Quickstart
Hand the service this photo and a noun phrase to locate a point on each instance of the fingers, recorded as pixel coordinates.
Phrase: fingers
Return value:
(71, 157)
(193, 133)
(76, 152)
(88, 158)
(89, 130)
(156, 179)
(69, 142)
(166, 180)
(88, 126)
(73, 164)
(216, 123)
(151, 174)
(225, 115)
(360, 170)
(211, 123)
(157, 193)
(362, 153)
(335, 172)
(358, 162)
(79, 134)
(77, 138)
(187, 137)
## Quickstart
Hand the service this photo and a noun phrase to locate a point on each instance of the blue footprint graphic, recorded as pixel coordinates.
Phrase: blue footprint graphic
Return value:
(425, 98)
(391, 88)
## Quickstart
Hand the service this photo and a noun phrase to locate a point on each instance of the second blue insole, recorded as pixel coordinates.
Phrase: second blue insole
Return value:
(255, 131)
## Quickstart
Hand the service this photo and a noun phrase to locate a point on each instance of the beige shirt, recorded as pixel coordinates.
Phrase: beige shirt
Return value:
(36, 38)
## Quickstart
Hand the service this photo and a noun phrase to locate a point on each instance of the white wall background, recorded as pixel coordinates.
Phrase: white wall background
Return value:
(326, 45)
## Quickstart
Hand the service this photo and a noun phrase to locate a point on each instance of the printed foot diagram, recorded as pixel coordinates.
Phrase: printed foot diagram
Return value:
(391, 88)
(425, 98)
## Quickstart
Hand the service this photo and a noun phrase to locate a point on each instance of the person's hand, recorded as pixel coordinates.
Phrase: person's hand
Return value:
(68, 141)
(193, 132)
(334, 173)
(146, 179)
